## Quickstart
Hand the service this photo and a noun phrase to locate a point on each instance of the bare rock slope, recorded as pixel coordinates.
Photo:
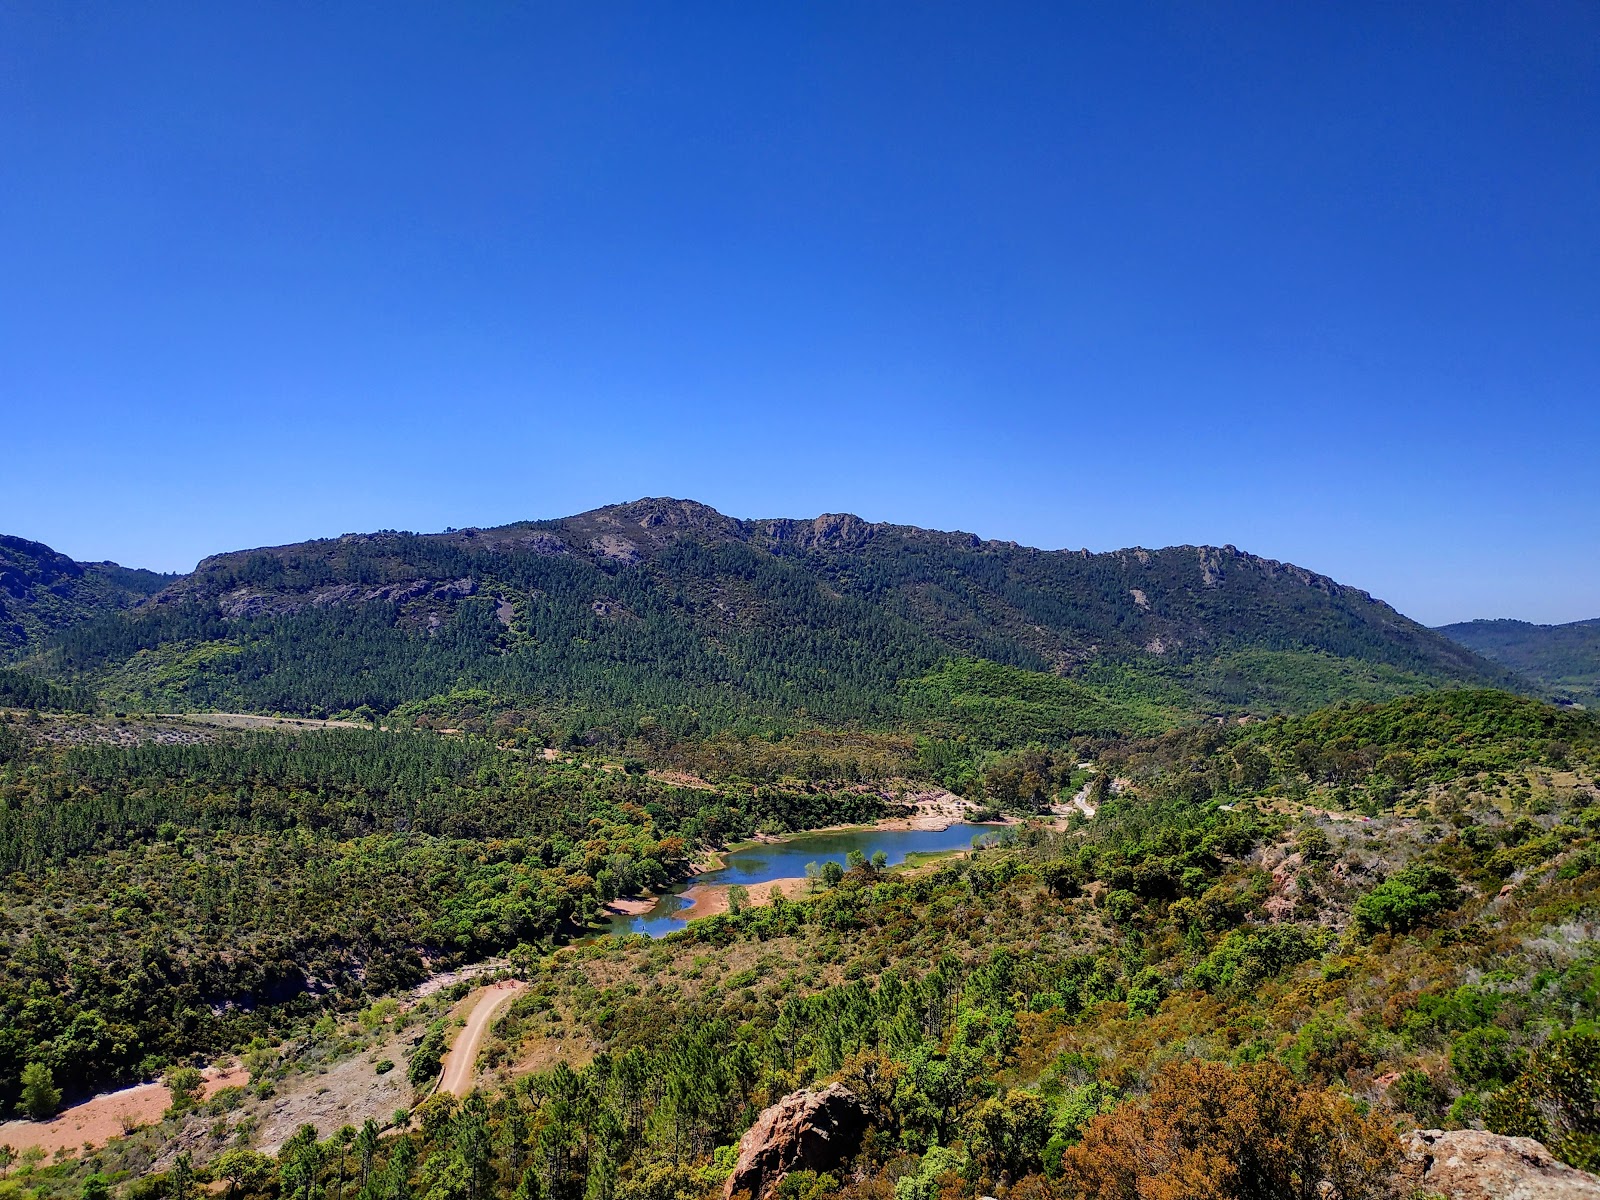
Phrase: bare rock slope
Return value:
(1468, 1164)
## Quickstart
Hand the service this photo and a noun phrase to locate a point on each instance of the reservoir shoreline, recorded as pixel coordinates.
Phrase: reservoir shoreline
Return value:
(769, 866)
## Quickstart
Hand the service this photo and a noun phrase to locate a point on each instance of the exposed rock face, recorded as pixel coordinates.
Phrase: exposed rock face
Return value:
(805, 1131)
(253, 602)
(1468, 1164)
(616, 548)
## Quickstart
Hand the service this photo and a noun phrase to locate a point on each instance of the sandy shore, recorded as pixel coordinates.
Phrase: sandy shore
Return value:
(110, 1114)
(631, 908)
(709, 899)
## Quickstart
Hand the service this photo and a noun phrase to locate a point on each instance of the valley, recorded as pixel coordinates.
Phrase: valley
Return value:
(1563, 658)
(553, 860)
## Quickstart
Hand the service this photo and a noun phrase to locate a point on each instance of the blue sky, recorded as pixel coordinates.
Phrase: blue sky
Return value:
(1321, 281)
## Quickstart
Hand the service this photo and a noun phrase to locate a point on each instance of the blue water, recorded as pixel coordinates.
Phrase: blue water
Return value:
(787, 859)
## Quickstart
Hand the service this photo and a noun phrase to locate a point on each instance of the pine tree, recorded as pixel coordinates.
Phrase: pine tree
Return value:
(40, 1095)
(366, 1149)
(397, 1185)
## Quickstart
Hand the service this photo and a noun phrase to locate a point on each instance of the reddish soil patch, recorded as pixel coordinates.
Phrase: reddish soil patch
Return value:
(110, 1114)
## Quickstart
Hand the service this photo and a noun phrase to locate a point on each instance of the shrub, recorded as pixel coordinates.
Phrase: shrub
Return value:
(1483, 1056)
(1122, 906)
(1007, 1134)
(1406, 899)
(1556, 1100)
(1252, 1133)
(662, 1181)
(427, 1058)
(1327, 1049)
(938, 1164)
(184, 1084)
(1417, 1093)
(1465, 1111)
(40, 1095)
(1433, 1013)
(1247, 958)
(806, 1185)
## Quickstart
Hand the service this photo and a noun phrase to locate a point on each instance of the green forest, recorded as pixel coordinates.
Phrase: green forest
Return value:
(1330, 928)
(1268, 878)
(672, 611)
(1565, 659)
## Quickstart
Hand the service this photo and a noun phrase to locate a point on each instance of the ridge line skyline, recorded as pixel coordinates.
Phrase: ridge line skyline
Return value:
(1242, 551)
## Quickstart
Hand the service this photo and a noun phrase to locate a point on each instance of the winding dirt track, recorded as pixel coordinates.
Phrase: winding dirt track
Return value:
(460, 1064)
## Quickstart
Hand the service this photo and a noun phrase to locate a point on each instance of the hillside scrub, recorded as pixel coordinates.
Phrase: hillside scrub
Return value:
(1201, 965)
(1250, 1133)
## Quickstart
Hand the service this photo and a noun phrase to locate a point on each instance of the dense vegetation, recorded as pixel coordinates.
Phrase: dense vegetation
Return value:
(43, 592)
(21, 690)
(1564, 658)
(1236, 937)
(165, 898)
(704, 623)
(1227, 957)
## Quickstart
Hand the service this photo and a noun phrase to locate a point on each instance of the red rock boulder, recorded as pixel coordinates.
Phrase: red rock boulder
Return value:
(805, 1131)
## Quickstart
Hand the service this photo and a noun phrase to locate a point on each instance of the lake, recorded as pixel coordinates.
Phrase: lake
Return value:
(766, 861)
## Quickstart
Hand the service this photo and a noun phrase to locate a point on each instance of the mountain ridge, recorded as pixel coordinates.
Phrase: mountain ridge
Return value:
(826, 530)
(669, 604)
(1564, 657)
(614, 535)
(43, 590)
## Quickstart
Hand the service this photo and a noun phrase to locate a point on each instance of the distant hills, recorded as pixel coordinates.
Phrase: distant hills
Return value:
(703, 621)
(43, 592)
(1563, 658)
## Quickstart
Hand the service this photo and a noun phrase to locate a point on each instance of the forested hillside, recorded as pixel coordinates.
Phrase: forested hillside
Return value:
(1285, 940)
(668, 608)
(1306, 925)
(1563, 658)
(43, 592)
(190, 889)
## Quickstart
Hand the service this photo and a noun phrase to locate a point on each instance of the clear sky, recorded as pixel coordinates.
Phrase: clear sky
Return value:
(1318, 280)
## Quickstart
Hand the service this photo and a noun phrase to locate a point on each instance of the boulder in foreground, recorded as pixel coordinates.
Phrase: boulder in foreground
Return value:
(1468, 1164)
(805, 1131)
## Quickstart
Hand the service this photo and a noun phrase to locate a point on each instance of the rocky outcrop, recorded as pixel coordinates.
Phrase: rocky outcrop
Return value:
(805, 1131)
(616, 548)
(244, 603)
(1468, 1164)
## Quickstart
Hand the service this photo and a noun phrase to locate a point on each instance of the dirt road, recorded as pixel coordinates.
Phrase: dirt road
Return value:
(460, 1064)
(254, 721)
